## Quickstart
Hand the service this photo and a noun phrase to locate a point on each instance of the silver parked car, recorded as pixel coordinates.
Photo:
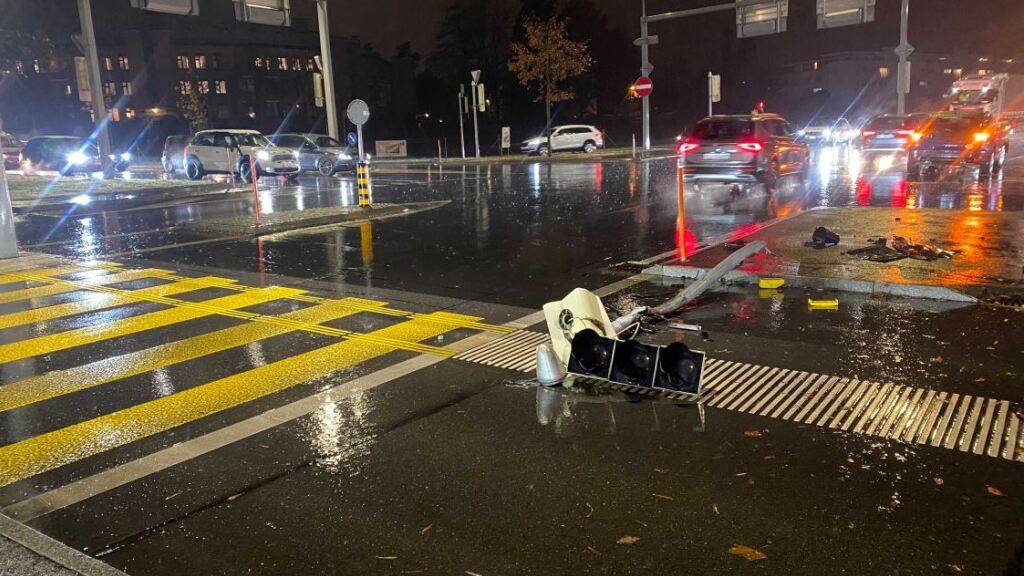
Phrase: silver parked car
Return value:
(317, 152)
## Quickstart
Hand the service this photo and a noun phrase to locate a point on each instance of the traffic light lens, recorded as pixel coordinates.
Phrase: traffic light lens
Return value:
(591, 351)
(679, 368)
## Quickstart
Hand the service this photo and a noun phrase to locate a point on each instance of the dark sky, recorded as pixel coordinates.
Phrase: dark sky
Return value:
(388, 23)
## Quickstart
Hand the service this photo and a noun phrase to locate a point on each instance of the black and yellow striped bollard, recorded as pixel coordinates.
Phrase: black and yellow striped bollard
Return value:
(363, 184)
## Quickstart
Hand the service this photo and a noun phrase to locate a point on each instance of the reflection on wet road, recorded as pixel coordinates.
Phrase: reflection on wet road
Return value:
(538, 227)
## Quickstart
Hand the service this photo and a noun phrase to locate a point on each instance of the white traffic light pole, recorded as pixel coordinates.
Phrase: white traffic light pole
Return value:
(462, 128)
(92, 62)
(476, 106)
(645, 41)
(328, 69)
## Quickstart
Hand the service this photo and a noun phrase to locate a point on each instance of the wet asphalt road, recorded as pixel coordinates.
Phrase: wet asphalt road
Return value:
(461, 468)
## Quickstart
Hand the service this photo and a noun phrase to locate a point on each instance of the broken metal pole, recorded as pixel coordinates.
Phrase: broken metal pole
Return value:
(713, 277)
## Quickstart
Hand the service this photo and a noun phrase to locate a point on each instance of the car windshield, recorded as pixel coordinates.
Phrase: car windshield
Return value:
(717, 129)
(328, 142)
(886, 124)
(975, 96)
(67, 145)
(248, 139)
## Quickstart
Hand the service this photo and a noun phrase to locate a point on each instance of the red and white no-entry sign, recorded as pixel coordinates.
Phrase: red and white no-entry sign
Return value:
(643, 86)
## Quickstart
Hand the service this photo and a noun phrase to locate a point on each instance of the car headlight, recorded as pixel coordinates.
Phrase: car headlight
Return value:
(801, 132)
(77, 158)
(296, 154)
(343, 156)
(126, 156)
(828, 132)
(263, 155)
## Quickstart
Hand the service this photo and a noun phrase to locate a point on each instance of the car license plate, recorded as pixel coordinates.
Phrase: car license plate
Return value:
(716, 156)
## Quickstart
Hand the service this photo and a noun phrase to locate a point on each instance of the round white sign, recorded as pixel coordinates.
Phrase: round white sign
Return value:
(358, 112)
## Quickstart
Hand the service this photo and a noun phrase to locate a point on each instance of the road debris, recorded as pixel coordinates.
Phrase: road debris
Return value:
(770, 283)
(994, 491)
(747, 553)
(884, 251)
(594, 551)
(426, 529)
(822, 304)
(695, 290)
(822, 238)
(627, 540)
(663, 496)
(686, 327)
(753, 434)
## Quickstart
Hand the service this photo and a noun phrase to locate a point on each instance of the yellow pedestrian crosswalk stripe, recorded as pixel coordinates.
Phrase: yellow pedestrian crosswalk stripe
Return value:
(105, 301)
(60, 382)
(135, 324)
(54, 449)
(55, 288)
(19, 276)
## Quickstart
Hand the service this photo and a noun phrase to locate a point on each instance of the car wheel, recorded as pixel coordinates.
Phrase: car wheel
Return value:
(589, 147)
(168, 167)
(544, 150)
(325, 166)
(194, 169)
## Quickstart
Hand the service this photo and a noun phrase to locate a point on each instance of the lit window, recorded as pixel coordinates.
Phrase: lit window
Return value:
(122, 62)
(20, 67)
(204, 86)
(816, 64)
(129, 112)
(67, 89)
(182, 62)
(220, 87)
(948, 71)
(982, 72)
(282, 63)
(126, 88)
(108, 89)
(184, 87)
(108, 63)
(296, 64)
(36, 66)
(982, 59)
(200, 61)
(311, 64)
(923, 83)
(958, 72)
(883, 72)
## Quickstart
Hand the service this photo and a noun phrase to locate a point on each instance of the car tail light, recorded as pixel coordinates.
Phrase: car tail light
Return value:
(916, 136)
(687, 146)
(981, 137)
(868, 133)
(754, 147)
(904, 133)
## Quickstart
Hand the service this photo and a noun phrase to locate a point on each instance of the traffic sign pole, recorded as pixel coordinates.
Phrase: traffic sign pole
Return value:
(476, 106)
(328, 69)
(462, 128)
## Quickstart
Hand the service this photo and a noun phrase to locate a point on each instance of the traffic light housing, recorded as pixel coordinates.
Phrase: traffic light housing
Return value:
(679, 369)
(591, 354)
(633, 364)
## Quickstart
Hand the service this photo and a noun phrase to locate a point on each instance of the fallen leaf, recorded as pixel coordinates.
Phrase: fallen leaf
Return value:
(747, 553)
(594, 551)
(387, 557)
(715, 508)
(937, 359)
(770, 457)
(956, 568)
(628, 540)
(939, 481)
(742, 474)
(426, 529)
(468, 573)
(663, 496)
(994, 491)
(591, 513)
(233, 496)
(661, 470)
(753, 433)
(641, 523)
(851, 525)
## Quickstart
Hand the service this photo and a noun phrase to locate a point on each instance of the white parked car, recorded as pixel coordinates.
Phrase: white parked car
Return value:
(225, 151)
(575, 137)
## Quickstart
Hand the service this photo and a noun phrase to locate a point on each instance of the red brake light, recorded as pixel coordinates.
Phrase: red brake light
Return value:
(904, 132)
(687, 146)
(869, 133)
(754, 147)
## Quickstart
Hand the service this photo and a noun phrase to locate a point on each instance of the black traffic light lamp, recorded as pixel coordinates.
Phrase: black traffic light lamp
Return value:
(633, 364)
(591, 354)
(679, 369)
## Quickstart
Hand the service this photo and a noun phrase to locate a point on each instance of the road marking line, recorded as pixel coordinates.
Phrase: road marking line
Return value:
(928, 427)
(107, 301)
(920, 418)
(972, 424)
(885, 409)
(955, 429)
(785, 393)
(60, 382)
(822, 390)
(23, 275)
(50, 289)
(737, 385)
(837, 401)
(906, 411)
(986, 423)
(999, 430)
(854, 393)
(869, 395)
(135, 324)
(947, 415)
(1011, 437)
(827, 400)
(60, 447)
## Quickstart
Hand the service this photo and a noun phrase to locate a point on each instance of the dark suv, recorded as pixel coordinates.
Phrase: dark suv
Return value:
(952, 140)
(752, 148)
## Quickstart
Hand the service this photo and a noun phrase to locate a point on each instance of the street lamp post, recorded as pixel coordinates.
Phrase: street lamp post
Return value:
(92, 62)
(904, 50)
(328, 69)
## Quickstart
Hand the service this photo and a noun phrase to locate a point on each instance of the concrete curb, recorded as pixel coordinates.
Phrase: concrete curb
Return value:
(40, 544)
(840, 284)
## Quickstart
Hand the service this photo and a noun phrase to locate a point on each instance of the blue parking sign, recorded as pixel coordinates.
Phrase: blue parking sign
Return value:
(352, 138)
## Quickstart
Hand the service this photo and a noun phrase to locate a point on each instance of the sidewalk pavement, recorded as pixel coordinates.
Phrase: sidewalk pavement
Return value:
(988, 257)
(516, 157)
(29, 192)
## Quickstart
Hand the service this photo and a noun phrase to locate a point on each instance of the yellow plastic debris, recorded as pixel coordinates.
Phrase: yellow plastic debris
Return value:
(823, 304)
(771, 283)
